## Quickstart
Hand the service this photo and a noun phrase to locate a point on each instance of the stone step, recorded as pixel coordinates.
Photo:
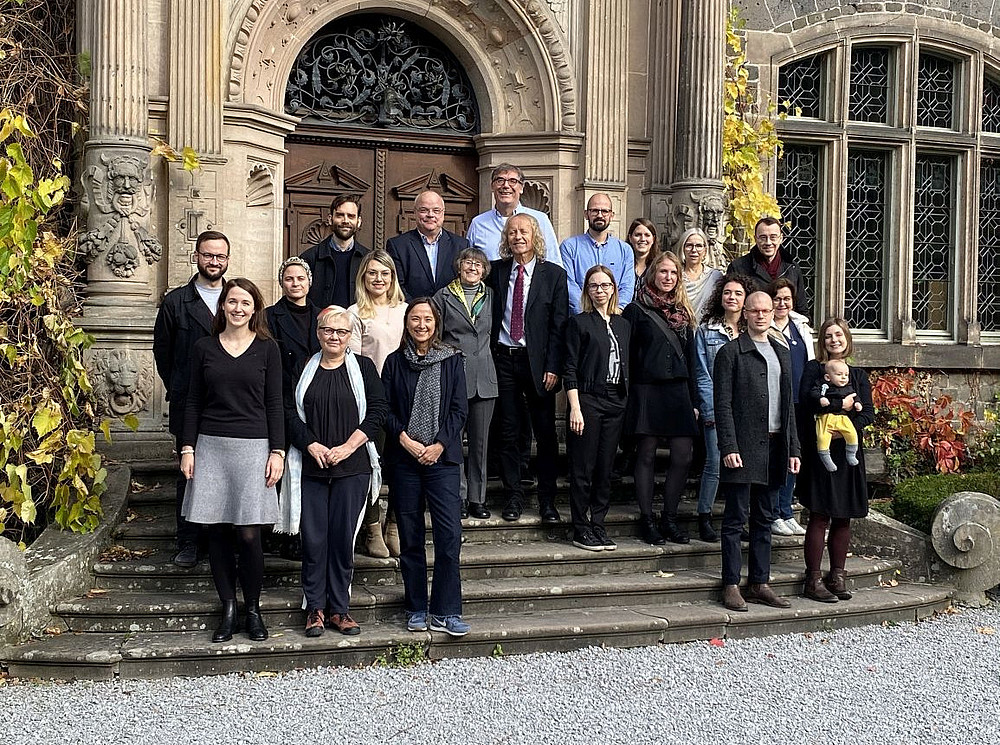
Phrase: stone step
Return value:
(168, 653)
(154, 573)
(190, 611)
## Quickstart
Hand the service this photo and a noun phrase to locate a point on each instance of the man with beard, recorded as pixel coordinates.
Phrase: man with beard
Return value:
(425, 257)
(598, 246)
(768, 261)
(486, 229)
(185, 316)
(335, 261)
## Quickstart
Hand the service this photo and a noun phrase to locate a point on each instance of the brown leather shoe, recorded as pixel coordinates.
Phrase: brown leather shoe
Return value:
(764, 595)
(315, 624)
(343, 623)
(836, 582)
(732, 599)
(816, 590)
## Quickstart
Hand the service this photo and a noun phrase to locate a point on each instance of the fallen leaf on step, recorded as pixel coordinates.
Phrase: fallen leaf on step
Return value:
(988, 630)
(890, 583)
(96, 592)
(951, 610)
(53, 631)
(665, 575)
(717, 642)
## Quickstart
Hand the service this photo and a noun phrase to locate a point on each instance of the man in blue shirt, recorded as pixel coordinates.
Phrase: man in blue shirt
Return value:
(598, 246)
(486, 228)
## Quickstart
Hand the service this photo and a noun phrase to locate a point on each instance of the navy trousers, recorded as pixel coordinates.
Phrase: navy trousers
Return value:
(417, 488)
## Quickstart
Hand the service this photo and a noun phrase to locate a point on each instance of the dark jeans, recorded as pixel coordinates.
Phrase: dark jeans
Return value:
(591, 456)
(761, 500)
(331, 518)
(517, 391)
(417, 488)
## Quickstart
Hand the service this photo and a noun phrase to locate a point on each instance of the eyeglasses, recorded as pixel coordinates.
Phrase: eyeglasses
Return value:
(329, 332)
(221, 258)
(512, 181)
(472, 263)
(430, 211)
(606, 286)
(782, 300)
(759, 311)
(600, 211)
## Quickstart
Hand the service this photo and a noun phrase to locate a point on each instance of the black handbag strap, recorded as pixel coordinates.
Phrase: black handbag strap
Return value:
(671, 335)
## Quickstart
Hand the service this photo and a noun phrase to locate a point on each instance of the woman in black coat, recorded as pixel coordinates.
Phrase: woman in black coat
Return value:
(832, 498)
(596, 379)
(292, 320)
(428, 405)
(660, 404)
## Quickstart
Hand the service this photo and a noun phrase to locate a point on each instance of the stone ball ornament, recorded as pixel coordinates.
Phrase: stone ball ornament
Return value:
(965, 533)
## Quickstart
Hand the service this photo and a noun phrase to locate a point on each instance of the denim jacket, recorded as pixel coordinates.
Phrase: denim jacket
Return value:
(708, 340)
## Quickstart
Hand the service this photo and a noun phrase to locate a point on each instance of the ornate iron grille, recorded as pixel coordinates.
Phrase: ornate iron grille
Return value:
(800, 83)
(989, 245)
(870, 84)
(798, 180)
(935, 91)
(933, 243)
(991, 106)
(377, 72)
(867, 209)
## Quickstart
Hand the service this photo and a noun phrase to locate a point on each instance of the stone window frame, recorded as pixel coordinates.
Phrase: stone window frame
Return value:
(965, 142)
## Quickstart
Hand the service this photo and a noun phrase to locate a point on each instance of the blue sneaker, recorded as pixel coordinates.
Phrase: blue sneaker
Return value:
(452, 625)
(416, 620)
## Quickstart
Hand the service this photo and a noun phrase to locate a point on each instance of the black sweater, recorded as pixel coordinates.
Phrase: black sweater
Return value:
(235, 396)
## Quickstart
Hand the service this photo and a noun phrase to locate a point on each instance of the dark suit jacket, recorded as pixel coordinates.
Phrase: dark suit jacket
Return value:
(295, 349)
(545, 315)
(400, 382)
(183, 319)
(749, 265)
(414, 269)
(324, 271)
(741, 412)
(588, 349)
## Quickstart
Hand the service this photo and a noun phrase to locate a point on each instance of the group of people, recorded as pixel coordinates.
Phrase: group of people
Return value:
(386, 362)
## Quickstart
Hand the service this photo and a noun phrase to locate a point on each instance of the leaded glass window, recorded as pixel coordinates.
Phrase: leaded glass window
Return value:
(800, 83)
(870, 84)
(991, 106)
(935, 91)
(866, 239)
(933, 242)
(798, 181)
(989, 245)
(375, 71)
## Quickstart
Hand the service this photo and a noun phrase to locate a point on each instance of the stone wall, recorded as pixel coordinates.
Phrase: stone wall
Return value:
(785, 16)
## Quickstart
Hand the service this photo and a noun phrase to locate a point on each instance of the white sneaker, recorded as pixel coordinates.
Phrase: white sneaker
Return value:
(793, 525)
(778, 527)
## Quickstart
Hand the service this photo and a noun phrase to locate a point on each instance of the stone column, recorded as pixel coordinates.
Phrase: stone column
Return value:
(118, 245)
(606, 86)
(664, 49)
(698, 194)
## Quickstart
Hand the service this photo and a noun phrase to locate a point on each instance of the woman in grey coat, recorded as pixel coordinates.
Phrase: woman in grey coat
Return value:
(466, 306)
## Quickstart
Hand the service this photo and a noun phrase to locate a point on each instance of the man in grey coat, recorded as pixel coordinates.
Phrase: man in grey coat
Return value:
(755, 421)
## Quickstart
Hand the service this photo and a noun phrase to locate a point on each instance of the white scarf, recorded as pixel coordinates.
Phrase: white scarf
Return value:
(291, 491)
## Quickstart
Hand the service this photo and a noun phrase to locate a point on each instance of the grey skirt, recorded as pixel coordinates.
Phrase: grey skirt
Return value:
(228, 485)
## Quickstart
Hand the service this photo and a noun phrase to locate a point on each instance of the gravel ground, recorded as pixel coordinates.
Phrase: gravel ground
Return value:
(935, 681)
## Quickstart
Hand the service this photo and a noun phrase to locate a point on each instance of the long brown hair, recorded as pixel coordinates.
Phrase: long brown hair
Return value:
(680, 295)
(436, 342)
(258, 321)
(821, 354)
(586, 304)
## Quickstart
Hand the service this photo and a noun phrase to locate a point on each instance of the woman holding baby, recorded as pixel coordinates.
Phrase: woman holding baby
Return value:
(833, 496)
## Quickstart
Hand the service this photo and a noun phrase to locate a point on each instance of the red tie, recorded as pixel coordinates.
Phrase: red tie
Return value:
(517, 307)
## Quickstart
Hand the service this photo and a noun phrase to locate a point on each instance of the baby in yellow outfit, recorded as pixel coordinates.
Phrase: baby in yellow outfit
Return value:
(831, 393)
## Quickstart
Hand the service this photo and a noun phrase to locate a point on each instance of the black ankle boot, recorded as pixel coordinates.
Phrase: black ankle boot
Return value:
(228, 623)
(672, 531)
(705, 530)
(255, 622)
(649, 532)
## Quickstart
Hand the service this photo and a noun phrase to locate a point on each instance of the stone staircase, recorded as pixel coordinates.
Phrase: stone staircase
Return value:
(525, 589)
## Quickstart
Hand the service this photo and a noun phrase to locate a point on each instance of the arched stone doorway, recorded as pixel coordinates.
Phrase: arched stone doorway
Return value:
(386, 111)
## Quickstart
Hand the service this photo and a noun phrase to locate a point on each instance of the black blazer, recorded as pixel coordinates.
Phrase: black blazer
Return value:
(295, 350)
(413, 267)
(749, 265)
(654, 358)
(324, 272)
(400, 382)
(545, 315)
(183, 319)
(588, 349)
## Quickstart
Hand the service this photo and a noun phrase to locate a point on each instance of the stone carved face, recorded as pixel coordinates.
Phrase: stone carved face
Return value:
(121, 384)
(125, 180)
(712, 210)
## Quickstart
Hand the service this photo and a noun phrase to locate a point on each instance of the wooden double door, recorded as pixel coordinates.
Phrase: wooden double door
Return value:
(386, 174)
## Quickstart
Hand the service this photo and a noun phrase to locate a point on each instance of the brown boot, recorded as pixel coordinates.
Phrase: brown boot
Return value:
(375, 544)
(764, 595)
(816, 590)
(836, 582)
(392, 538)
(732, 599)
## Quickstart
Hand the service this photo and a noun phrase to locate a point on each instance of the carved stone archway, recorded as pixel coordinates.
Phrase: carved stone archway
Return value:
(513, 50)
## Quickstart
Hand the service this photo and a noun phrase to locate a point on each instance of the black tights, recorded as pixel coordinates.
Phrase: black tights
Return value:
(681, 453)
(838, 542)
(226, 543)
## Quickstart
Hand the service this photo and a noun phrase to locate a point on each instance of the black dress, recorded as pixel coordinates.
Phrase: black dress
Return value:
(844, 492)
